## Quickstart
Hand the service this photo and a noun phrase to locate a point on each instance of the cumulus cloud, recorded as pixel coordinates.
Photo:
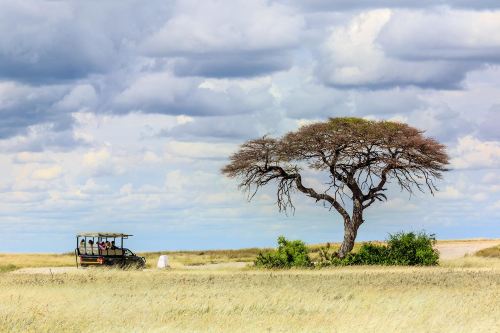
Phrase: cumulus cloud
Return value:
(51, 41)
(167, 94)
(101, 162)
(22, 106)
(221, 39)
(61, 48)
(472, 153)
(442, 35)
(310, 99)
(29, 157)
(44, 137)
(199, 150)
(49, 173)
(80, 96)
(352, 56)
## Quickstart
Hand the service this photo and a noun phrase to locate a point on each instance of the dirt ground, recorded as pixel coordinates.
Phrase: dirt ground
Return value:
(458, 249)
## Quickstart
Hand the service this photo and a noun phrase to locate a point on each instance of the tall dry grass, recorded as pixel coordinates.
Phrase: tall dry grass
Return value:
(491, 252)
(349, 299)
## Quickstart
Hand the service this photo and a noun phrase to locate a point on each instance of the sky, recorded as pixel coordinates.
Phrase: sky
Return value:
(118, 116)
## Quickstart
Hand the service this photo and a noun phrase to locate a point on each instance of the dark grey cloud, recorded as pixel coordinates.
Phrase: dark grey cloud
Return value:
(23, 106)
(40, 42)
(47, 41)
(228, 39)
(165, 93)
(233, 65)
(36, 118)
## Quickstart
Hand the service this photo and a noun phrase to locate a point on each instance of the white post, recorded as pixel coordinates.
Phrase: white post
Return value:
(162, 262)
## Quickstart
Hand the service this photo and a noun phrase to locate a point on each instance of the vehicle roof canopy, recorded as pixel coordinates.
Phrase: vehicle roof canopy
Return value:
(103, 234)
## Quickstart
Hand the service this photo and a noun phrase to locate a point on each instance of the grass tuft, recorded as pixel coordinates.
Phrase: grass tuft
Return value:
(491, 252)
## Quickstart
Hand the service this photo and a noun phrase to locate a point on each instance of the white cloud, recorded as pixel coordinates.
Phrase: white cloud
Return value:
(472, 153)
(450, 192)
(199, 150)
(29, 157)
(47, 173)
(102, 162)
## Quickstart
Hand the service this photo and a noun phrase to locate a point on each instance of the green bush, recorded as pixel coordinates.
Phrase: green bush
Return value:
(409, 249)
(289, 254)
(371, 254)
(412, 249)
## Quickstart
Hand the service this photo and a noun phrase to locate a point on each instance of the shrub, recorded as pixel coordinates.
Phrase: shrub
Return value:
(289, 254)
(412, 249)
(402, 248)
(371, 254)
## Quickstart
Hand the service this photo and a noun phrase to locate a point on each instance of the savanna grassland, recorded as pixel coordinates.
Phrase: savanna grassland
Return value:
(460, 295)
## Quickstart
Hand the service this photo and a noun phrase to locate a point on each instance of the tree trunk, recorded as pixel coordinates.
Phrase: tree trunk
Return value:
(350, 233)
(351, 229)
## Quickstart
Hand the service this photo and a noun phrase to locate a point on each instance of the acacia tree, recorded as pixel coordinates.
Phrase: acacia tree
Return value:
(359, 156)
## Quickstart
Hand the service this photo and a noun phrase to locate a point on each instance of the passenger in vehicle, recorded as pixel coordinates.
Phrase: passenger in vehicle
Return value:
(82, 246)
(113, 246)
(91, 245)
(108, 245)
(102, 246)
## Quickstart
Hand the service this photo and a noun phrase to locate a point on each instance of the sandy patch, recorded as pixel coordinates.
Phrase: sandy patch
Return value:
(458, 249)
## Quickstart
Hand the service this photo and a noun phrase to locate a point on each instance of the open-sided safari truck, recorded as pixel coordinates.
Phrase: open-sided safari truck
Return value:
(103, 249)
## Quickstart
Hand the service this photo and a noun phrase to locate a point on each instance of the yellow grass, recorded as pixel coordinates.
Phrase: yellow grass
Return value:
(352, 299)
(13, 261)
(491, 252)
(462, 295)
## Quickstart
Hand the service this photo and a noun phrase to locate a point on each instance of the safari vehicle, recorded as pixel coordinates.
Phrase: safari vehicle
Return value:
(91, 252)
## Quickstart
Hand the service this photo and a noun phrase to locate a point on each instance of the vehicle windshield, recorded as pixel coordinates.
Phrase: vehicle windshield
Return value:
(129, 253)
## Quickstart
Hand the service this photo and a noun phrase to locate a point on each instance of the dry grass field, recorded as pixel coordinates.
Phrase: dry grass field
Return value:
(461, 295)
